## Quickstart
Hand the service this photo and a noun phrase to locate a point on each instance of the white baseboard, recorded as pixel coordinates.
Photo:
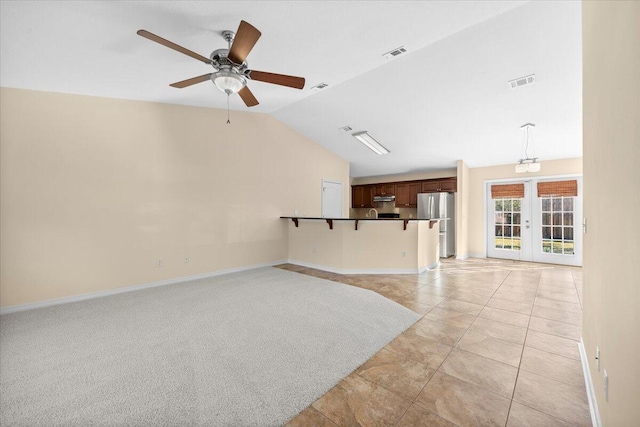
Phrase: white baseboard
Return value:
(462, 257)
(477, 256)
(363, 271)
(591, 395)
(75, 298)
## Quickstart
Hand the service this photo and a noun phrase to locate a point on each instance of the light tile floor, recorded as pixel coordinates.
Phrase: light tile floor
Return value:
(497, 345)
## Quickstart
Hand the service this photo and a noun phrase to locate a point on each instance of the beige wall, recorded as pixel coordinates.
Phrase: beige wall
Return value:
(444, 173)
(477, 178)
(462, 211)
(95, 190)
(611, 129)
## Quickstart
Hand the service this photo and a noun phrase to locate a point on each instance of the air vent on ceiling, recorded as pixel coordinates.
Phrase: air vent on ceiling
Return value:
(346, 128)
(319, 86)
(522, 81)
(395, 52)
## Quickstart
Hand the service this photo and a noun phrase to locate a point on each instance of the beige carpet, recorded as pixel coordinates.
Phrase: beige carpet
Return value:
(245, 349)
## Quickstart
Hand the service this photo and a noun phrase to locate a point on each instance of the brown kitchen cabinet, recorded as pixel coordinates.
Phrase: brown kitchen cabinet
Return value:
(361, 196)
(384, 190)
(449, 185)
(407, 194)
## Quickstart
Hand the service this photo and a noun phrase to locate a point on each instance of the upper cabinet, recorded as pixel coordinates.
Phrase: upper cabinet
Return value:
(406, 192)
(361, 196)
(384, 190)
(443, 184)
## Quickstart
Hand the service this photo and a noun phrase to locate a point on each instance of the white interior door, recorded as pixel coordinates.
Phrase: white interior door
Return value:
(509, 225)
(331, 199)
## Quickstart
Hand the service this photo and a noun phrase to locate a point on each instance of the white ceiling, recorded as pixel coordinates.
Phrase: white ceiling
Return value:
(446, 99)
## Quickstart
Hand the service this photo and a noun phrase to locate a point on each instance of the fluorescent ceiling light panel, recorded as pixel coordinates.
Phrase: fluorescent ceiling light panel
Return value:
(370, 142)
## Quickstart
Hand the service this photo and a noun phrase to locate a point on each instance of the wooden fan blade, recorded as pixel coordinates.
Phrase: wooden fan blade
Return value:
(172, 45)
(246, 37)
(247, 97)
(192, 81)
(277, 79)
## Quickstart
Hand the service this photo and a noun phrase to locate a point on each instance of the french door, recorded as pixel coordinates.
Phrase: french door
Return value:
(509, 221)
(535, 220)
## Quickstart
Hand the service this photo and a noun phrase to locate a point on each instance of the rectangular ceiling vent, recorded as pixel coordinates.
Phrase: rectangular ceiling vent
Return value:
(346, 128)
(319, 86)
(395, 52)
(522, 81)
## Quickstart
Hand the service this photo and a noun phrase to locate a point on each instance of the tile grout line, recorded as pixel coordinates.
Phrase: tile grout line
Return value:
(449, 355)
(438, 369)
(515, 384)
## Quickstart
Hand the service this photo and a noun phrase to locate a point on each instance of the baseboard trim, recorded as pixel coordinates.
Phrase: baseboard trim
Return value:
(591, 395)
(82, 297)
(462, 257)
(363, 271)
(476, 256)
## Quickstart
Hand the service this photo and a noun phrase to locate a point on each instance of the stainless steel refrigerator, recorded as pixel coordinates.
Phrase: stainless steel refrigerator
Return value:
(441, 205)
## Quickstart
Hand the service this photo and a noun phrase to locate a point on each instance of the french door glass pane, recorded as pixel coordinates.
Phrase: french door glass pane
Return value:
(557, 233)
(517, 205)
(568, 218)
(568, 204)
(516, 244)
(557, 225)
(505, 217)
(568, 233)
(568, 248)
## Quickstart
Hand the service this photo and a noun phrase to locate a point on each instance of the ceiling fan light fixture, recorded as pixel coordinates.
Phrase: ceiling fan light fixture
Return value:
(228, 82)
(370, 142)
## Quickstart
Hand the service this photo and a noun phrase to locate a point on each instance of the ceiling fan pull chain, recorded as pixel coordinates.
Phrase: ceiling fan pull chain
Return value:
(228, 121)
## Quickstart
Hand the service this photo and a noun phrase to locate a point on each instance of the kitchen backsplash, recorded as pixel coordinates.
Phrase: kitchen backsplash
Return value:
(384, 207)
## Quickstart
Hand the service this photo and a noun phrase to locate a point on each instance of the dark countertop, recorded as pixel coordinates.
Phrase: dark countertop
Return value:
(330, 221)
(365, 219)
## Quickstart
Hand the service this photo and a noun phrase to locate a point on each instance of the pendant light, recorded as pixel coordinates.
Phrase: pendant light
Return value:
(527, 164)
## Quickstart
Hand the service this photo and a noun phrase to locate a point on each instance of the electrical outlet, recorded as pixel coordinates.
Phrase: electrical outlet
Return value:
(605, 381)
(598, 358)
(404, 254)
(186, 259)
(159, 263)
(313, 250)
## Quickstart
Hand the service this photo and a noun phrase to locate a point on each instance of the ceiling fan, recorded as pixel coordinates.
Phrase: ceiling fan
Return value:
(232, 71)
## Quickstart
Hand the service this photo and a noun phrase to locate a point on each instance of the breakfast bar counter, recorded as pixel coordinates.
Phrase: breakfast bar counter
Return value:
(364, 246)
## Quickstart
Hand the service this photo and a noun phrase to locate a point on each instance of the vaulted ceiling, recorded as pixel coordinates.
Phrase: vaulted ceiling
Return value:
(446, 99)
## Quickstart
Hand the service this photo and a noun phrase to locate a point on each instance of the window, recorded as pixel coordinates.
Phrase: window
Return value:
(507, 224)
(557, 225)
